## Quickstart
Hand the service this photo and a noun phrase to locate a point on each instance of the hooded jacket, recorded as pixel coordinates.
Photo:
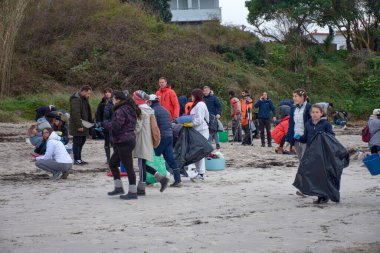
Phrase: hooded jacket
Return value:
(123, 123)
(168, 99)
(280, 130)
(79, 109)
(374, 130)
(55, 150)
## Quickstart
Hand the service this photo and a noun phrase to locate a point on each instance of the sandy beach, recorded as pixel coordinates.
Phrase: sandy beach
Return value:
(251, 206)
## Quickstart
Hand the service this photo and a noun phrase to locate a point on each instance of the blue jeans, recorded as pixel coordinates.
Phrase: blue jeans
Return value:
(214, 136)
(166, 149)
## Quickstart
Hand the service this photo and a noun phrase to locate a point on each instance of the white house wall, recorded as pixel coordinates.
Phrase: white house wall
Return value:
(195, 10)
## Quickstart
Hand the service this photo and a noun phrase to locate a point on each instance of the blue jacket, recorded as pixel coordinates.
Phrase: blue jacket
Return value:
(265, 106)
(306, 116)
(213, 104)
(163, 120)
(311, 129)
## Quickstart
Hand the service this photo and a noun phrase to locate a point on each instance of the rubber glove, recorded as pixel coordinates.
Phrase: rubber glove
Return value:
(99, 129)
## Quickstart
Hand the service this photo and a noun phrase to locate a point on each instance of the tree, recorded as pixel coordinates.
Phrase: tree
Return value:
(289, 15)
(11, 16)
(162, 7)
(357, 20)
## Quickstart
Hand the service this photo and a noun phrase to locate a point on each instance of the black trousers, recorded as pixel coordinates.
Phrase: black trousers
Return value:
(123, 153)
(146, 168)
(247, 135)
(78, 142)
(375, 149)
(265, 124)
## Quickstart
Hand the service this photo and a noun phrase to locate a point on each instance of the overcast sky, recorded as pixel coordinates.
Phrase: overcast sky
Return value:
(234, 12)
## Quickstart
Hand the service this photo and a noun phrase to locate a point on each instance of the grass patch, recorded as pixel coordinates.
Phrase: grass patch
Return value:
(16, 109)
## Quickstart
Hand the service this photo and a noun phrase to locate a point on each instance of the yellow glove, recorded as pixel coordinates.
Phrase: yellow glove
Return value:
(190, 124)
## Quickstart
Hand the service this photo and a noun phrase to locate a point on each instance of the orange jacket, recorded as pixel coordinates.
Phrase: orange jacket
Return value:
(187, 107)
(168, 99)
(280, 130)
(245, 107)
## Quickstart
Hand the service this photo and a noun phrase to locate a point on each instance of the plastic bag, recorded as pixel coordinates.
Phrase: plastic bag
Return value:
(190, 147)
(157, 164)
(321, 167)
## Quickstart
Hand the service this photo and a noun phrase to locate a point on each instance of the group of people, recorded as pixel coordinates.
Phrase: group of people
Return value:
(141, 126)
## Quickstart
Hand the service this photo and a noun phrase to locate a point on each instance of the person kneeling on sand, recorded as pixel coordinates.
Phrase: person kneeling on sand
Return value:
(56, 159)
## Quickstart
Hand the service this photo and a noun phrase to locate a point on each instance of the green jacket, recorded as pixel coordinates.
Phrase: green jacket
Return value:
(79, 109)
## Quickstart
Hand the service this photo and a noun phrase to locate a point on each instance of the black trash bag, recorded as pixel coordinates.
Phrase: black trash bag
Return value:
(321, 167)
(191, 147)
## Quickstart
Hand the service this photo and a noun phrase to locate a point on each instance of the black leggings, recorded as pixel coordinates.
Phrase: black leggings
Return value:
(123, 153)
(144, 169)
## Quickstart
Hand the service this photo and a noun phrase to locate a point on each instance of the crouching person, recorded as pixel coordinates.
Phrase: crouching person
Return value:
(56, 159)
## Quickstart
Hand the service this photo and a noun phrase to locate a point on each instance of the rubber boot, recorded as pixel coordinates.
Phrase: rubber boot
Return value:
(163, 180)
(141, 188)
(118, 188)
(132, 193)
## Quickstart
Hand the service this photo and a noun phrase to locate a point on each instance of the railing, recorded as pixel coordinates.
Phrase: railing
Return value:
(191, 15)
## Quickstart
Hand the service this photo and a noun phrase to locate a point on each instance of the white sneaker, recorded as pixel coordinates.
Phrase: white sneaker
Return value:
(197, 178)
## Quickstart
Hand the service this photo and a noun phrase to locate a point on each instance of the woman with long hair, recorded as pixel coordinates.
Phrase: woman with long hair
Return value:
(122, 127)
(200, 119)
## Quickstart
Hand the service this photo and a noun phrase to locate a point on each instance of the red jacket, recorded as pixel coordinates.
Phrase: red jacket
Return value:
(168, 99)
(280, 130)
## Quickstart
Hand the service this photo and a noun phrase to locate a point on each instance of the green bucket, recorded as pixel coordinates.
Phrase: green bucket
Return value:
(223, 136)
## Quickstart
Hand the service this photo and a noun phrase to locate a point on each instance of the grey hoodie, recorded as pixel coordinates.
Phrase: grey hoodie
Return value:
(374, 129)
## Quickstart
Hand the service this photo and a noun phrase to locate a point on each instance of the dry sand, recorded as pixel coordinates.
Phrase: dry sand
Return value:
(251, 206)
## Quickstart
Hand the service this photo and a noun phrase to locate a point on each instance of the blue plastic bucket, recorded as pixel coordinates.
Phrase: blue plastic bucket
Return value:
(215, 164)
(372, 163)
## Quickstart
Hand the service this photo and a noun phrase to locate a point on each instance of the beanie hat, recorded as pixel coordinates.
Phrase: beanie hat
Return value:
(119, 95)
(376, 112)
(140, 97)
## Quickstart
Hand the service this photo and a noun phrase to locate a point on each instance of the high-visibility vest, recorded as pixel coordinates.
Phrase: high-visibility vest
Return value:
(246, 110)
(187, 107)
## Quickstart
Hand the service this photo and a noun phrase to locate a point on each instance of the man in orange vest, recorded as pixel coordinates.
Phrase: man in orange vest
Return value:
(246, 116)
(168, 98)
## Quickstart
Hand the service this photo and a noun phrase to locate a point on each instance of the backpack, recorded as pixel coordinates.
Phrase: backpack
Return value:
(366, 135)
(213, 125)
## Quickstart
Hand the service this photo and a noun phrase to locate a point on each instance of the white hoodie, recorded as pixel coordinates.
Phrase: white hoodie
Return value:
(55, 150)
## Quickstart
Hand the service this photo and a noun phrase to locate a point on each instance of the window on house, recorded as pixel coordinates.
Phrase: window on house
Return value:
(182, 5)
(195, 4)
